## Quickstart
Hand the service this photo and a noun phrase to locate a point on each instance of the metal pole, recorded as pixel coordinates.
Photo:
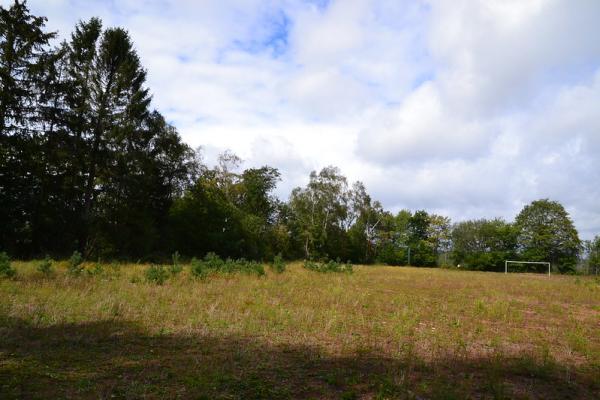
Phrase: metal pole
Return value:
(409, 256)
(506, 267)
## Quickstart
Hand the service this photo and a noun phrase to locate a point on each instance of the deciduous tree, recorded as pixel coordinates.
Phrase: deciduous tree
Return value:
(546, 233)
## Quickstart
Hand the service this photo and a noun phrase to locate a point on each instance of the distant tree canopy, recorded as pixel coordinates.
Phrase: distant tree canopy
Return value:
(484, 244)
(593, 254)
(546, 233)
(86, 164)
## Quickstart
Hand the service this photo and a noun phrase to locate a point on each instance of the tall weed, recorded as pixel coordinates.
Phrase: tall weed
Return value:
(45, 267)
(75, 267)
(278, 264)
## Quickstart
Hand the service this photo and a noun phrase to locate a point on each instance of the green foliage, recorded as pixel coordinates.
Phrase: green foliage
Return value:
(175, 268)
(329, 266)
(546, 233)
(422, 254)
(82, 110)
(254, 195)
(45, 267)
(418, 226)
(319, 210)
(278, 264)
(198, 268)
(594, 255)
(24, 56)
(312, 265)
(156, 274)
(246, 267)
(6, 270)
(205, 219)
(212, 264)
(483, 244)
(425, 236)
(428, 235)
(75, 267)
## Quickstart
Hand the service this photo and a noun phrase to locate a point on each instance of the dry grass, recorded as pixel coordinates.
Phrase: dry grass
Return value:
(380, 333)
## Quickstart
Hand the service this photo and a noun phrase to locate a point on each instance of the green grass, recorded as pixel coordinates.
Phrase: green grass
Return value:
(379, 333)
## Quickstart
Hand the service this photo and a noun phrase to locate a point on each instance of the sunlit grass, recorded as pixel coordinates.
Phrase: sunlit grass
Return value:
(414, 324)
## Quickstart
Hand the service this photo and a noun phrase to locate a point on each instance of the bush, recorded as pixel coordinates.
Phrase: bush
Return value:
(75, 267)
(246, 267)
(198, 268)
(156, 274)
(6, 270)
(330, 266)
(212, 263)
(312, 265)
(176, 267)
(45, 267)
(278, 264)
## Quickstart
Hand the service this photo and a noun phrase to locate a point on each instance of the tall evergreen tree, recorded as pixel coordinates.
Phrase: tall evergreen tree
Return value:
(23, 45)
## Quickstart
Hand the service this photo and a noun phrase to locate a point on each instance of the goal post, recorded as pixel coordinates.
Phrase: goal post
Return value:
(506, 262)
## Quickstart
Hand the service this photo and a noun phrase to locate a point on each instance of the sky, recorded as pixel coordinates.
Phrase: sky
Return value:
(465, 108)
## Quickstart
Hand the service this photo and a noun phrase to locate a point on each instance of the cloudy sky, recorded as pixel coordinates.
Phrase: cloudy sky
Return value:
(466, 108)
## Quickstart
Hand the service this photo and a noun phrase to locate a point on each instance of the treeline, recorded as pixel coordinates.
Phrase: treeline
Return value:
(86, 164)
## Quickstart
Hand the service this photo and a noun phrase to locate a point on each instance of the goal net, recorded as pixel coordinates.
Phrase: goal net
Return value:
(508, 262)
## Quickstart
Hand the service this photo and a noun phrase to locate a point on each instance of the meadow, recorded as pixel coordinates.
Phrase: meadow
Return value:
(377, 333)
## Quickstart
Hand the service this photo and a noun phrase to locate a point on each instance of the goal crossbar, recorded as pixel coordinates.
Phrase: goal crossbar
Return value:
(525, 262)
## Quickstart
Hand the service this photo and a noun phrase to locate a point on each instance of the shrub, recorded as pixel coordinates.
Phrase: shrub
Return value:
(75, 267)
(212, 263)
(311, 265)
(176, 267)
(278, 264)
(45, 267)
(156, 274)
(246, 267)
(6, 270)
(330, 266)
(198, 268)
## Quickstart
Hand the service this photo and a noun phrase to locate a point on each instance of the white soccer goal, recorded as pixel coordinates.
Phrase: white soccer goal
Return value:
(525, 262)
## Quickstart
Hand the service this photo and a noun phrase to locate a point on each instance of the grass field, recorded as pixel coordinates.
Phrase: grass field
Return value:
(379, 333)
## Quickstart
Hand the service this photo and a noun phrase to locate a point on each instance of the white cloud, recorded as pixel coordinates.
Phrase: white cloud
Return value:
(421, 129)
(465, 107)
